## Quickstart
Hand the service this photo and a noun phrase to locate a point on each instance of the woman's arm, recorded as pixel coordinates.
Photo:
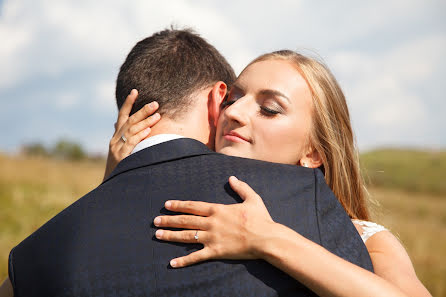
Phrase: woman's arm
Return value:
(130, 130)
(392, 263)
(246, 231)
(330, 275)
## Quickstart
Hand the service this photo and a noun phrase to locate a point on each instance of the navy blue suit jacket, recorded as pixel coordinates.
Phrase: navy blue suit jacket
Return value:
(103, 244)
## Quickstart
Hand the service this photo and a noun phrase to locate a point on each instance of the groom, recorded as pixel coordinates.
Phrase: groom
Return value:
(103, 244)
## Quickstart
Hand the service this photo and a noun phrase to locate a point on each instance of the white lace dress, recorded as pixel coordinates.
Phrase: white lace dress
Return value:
(368, 229)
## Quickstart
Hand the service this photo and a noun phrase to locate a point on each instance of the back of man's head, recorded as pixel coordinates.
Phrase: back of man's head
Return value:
(169, 67)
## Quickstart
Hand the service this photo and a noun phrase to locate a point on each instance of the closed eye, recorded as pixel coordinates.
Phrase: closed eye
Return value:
(268, 112)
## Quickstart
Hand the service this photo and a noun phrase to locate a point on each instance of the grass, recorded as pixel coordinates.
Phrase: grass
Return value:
(411, 194)
(34, 190)
(409, 170)
(419, 221)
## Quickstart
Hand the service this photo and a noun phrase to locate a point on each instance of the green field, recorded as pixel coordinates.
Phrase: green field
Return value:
(409, 170)
(407, 185)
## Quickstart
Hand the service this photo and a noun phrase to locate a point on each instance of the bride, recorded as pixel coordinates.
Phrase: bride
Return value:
(305, 122)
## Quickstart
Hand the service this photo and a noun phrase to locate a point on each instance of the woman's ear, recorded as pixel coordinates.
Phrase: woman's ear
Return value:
(216, 97)
(312, 159)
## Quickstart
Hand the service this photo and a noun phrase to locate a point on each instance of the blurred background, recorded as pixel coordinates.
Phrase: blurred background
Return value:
(59, 61)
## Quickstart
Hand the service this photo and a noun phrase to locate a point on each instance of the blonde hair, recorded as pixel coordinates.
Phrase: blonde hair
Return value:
(331, 134)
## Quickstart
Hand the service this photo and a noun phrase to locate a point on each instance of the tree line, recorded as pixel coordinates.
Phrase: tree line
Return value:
(63, 149)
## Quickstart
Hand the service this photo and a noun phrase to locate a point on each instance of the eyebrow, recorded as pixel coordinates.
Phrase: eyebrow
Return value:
(274, 93)
(267, 92)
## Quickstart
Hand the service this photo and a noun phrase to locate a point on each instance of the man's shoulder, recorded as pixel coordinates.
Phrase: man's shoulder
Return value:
(177, 153)
(62, 222)
(260, 167)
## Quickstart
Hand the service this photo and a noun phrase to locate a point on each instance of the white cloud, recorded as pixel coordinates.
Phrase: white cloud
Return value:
(419, 59)
(390, 105)
(60, 35)
(66, 100)
(16, 37)
(388, 55)
(383, 90)
(104, 97)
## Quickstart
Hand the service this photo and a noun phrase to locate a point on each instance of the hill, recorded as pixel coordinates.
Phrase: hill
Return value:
(409, 170)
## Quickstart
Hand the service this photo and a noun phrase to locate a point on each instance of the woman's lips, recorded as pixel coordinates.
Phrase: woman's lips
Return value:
(235, 137)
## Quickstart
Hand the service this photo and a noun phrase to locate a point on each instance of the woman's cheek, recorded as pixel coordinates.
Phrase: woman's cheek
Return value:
(282, 143)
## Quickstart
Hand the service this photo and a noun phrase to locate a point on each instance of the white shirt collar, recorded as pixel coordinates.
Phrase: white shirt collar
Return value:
(154, 140)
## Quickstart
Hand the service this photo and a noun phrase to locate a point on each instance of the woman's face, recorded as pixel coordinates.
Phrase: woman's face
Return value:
(267, 115)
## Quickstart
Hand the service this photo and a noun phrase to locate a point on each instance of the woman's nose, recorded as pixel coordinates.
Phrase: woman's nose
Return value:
(239, 111)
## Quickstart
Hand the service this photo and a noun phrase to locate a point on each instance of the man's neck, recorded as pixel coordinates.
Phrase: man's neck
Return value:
(166, 126)
(194, 127)
(166, 130)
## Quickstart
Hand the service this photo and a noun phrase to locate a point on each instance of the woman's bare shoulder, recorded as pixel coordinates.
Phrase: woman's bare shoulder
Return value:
(367, 229)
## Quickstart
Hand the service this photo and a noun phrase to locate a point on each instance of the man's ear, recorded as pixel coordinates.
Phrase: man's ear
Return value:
(216, 97)
(312, 159)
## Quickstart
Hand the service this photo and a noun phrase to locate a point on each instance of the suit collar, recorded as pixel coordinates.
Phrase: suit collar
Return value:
(154, 140)
(163, 152)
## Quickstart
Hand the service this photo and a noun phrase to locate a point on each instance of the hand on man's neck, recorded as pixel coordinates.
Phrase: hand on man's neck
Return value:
(191, 127)
(198, 122)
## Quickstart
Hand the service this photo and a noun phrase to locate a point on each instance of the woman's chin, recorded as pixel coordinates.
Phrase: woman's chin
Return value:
(232, 151)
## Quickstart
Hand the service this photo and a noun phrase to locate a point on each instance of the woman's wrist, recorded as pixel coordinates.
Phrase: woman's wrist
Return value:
(274, 239)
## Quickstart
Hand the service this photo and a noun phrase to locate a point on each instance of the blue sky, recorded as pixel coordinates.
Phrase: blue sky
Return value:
(59, 60)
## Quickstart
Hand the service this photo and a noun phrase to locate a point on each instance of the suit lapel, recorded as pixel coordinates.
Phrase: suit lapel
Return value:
(163, 152)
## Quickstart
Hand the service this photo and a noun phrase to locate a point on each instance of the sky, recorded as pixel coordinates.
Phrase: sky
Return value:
(59, 60)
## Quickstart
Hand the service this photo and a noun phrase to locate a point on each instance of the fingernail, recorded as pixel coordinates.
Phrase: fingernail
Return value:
(234, 177)
(157, 221)
(173, 263)
(152, 104)
(168, 204)
(159, 233)
(157, 115)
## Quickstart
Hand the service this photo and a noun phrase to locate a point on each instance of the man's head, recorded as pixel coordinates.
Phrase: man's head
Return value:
(173, 67)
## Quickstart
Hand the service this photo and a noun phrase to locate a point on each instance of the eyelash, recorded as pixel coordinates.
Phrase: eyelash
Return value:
(264, 111)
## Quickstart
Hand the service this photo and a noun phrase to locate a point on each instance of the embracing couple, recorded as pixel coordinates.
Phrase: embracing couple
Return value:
(245, 186)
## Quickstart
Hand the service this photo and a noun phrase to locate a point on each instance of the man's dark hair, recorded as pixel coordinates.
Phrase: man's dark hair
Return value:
(169, 67)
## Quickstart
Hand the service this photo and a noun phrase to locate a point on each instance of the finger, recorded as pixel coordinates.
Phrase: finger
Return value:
(181, 221)
(143, 118)
(123, 116)
(128, 130)
(115, 143)
(243, 189)
(146, 123)
(192, 258)
(132, 142)
(198, 208)
(185, 236)
(126, 108)
(143, 113)
(122, 131)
